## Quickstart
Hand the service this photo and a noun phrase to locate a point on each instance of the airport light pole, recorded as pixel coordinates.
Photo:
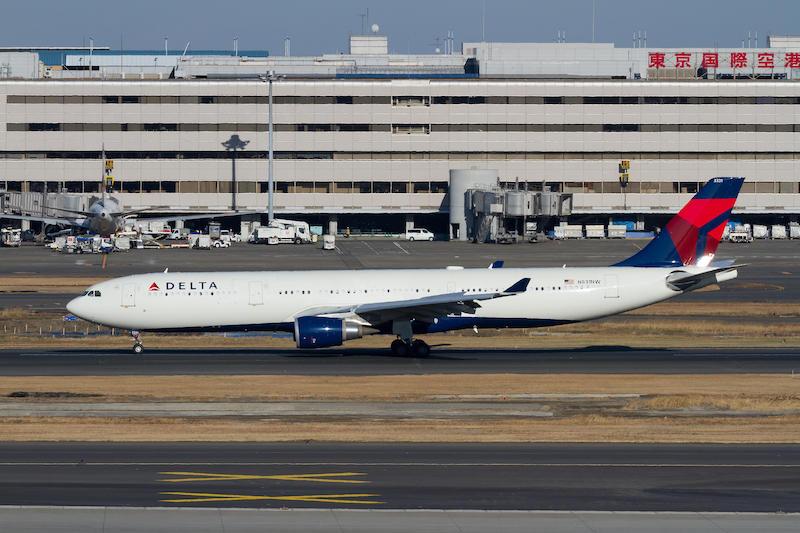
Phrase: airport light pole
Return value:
(233, 144)
(269, 78)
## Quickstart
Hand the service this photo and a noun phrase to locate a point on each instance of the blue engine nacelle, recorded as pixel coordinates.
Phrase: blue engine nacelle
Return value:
(321, 332)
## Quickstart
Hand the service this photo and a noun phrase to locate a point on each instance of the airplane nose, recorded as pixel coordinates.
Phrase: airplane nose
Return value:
(74, 306)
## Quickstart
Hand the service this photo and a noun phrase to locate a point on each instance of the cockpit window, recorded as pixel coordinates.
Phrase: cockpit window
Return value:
(92, 294)
(97, 294)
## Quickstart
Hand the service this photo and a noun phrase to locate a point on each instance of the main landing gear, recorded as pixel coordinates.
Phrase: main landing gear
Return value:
(416, 347)
(138, 347)
(405, 344)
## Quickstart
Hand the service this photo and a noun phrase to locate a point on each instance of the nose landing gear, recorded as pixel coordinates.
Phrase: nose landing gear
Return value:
(138, 347)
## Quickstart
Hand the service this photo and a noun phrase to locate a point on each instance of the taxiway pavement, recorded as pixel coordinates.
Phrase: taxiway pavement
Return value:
(586, 477)
(600, 360)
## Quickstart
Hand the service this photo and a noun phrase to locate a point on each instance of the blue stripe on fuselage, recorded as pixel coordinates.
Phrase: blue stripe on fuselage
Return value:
(442, 324)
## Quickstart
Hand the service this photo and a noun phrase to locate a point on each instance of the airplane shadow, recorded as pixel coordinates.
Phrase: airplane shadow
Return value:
(440, 352)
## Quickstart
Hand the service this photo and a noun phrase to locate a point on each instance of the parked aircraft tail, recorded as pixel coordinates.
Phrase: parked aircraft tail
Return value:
(691, 237)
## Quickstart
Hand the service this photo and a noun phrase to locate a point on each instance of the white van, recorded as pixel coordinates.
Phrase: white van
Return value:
(418, 234)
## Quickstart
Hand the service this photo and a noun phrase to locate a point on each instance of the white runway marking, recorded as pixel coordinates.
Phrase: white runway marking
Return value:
(401, 248)
(365, 243)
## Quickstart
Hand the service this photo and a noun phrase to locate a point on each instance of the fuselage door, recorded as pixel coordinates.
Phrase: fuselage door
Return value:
(129, 295)
(611, 286)
(256, 293)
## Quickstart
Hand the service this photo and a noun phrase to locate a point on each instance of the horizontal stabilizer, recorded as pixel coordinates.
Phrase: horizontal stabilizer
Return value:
(685, 282)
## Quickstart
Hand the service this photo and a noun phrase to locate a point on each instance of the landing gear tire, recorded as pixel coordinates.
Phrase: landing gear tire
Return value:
(138, 347)
(420, 348)
(399, 348)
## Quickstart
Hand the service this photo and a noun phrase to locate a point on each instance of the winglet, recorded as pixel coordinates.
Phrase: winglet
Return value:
(496, 264)
(520, 286)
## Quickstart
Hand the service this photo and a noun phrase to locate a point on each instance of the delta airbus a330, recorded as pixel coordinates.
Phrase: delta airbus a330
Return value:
(325, 308)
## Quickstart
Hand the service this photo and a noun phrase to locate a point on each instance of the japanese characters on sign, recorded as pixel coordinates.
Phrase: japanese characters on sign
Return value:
(713, 60)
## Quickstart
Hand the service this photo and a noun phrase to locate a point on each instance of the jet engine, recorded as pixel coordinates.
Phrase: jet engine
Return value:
(321, 332)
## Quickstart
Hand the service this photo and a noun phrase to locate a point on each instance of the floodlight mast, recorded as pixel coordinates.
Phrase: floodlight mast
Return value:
(269, 78)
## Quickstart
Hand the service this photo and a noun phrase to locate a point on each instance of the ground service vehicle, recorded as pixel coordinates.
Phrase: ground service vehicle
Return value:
(281, 231)
(418, 234)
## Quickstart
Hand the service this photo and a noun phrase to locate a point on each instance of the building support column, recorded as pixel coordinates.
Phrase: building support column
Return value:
(409, 222)
(333, 225)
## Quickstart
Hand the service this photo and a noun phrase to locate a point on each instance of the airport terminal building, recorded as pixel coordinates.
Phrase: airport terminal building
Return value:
(370, 138)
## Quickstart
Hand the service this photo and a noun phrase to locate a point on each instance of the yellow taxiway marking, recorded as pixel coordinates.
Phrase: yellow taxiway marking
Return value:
(199, 497)
(331, 477)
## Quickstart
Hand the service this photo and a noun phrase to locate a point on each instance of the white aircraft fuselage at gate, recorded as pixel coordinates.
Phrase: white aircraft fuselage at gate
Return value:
(327, 308)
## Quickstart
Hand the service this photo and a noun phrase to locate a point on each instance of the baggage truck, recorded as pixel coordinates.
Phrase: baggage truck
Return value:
(778, 231)
(617, 231)
(595, 231)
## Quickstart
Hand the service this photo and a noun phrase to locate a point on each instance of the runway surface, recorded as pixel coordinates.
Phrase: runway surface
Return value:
(601, 359)
(698, 478)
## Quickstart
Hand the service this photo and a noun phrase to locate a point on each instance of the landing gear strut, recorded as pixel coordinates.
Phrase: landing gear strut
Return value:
(138, 347)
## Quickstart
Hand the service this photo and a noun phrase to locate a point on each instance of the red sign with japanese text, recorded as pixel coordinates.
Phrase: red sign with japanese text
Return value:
(657, 60)
(710, 60)
(734, 60)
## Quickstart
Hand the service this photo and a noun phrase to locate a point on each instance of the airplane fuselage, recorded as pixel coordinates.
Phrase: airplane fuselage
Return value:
(247, 301)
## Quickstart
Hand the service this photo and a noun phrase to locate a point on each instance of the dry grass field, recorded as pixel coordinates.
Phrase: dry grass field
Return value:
(586, 428)
(664, 408)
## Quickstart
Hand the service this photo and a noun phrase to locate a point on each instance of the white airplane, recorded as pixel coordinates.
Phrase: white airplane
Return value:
(325, 308)
(105, 216)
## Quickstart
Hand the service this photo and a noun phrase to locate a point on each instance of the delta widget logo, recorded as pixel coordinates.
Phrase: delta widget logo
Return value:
(153, 287)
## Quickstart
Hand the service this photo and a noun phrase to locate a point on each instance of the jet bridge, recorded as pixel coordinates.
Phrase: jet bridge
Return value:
(39, 203)
(482, 211)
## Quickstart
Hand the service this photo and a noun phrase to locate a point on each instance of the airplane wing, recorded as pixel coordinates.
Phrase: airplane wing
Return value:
(45, 220)
(73, 211)
(681, 281)
(424, 309)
